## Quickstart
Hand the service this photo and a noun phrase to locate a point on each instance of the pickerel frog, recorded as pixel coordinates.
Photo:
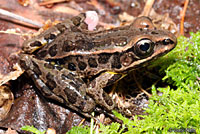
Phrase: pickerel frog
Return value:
(72, 65)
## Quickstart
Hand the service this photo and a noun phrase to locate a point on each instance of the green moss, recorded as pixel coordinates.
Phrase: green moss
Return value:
(182, 65)
(79, 130)
(32, 129)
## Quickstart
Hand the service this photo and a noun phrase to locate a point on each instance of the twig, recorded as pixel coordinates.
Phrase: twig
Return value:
(147, 8)
(182, 14)
(113, 3)
(20, 18)
(15, 32)
(96, 4)
(81, 122)
(51, 2)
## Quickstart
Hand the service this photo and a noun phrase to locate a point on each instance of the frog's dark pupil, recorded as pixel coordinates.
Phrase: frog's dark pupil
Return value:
(145, 46)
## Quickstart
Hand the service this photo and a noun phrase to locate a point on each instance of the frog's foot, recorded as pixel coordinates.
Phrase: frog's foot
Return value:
(109, 114)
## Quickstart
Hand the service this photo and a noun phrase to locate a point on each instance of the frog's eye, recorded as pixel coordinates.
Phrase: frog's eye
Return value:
(144, 48)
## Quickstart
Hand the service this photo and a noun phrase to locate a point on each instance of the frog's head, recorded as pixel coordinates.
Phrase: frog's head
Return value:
(147, 45)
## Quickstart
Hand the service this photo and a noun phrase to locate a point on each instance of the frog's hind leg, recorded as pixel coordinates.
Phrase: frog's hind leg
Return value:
(59, 85)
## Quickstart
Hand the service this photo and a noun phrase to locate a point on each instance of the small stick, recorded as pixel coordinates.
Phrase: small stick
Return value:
(147, 8)
(82, 121)
(96, 4)
(20, 18)
(182, 14)
(113, 3)
(51, 2)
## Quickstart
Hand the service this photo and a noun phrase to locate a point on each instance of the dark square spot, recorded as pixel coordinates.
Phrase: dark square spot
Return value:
(53, 50)
(103, 58)
(82, 65)
(92, 62)
(36, 43)
(72, 66)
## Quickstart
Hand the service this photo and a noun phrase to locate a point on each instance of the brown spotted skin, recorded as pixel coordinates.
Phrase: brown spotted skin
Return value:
(72, 65)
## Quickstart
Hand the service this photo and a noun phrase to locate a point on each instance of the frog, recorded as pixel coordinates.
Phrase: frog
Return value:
(72, 65)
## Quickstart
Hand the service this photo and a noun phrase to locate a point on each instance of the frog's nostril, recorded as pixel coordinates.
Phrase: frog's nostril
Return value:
(167, 41)
(154, 32)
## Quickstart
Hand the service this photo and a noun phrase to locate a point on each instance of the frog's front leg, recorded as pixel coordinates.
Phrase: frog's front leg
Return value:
(95, 89)
(59, 84)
